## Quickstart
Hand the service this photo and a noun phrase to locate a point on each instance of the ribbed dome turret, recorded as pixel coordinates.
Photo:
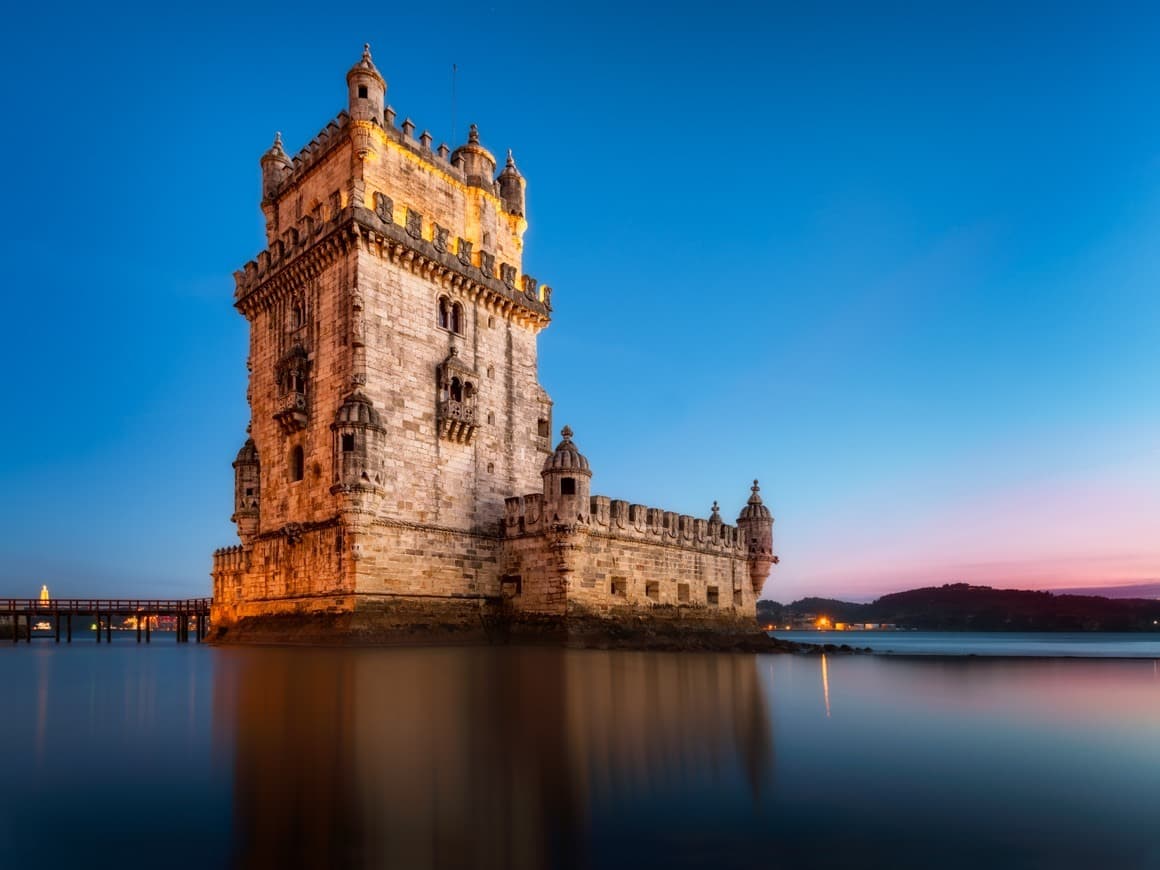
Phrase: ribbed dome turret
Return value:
(275, 167)
(755, 509)
(359, 411)
(277, 153)
(366, 67)
(567, 457)
(511, 187)
(248, 455)
(478, 163)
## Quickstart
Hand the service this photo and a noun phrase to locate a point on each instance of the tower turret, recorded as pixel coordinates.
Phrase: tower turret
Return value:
(755, 525)
(358, 450)
(511, 187)
(478, 163)
(567, 483)
(247, 491)
(367, 90)
(275, 167)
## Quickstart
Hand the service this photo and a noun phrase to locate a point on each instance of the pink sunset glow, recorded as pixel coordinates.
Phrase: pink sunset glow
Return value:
(1090, 532)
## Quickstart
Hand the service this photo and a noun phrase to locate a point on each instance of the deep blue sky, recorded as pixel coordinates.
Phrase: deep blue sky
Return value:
(900, 263)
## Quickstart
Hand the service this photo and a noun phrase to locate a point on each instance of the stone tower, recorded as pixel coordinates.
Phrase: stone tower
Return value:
(399, 463)
(392, 358)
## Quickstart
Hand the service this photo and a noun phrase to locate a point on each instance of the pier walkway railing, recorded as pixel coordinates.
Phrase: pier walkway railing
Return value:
(144, 611)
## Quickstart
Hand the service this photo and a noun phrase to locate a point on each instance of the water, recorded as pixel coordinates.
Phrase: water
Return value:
(990, 643)
(529, 758)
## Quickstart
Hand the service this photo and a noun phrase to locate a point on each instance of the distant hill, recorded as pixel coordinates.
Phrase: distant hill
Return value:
(961, 607)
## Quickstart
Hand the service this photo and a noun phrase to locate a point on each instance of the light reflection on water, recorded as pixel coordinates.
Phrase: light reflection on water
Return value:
(474, 757)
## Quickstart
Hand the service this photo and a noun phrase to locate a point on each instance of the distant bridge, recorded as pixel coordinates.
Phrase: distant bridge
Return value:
(22, 612)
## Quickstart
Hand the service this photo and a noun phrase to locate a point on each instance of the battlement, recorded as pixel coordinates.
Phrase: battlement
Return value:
(297, 245)
(229, 559)
(338, 130)
(525, 515)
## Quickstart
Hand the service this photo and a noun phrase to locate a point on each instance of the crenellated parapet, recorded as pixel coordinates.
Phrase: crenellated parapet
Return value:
(301, 254)
(228, 559)
(615, 518)
(368, 123)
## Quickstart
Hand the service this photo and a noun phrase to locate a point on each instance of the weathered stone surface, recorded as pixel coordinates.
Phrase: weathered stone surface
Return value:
(399, 478)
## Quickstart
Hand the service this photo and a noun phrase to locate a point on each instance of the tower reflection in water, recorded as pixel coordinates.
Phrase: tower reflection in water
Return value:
(480, 757)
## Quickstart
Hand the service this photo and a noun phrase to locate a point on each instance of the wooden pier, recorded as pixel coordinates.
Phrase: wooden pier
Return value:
(188, 613)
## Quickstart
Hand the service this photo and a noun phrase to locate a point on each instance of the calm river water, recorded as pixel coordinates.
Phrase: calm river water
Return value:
(526, 758)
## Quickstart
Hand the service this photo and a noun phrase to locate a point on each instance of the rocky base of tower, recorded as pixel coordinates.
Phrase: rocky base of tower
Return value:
(397, 621)
(370, 621)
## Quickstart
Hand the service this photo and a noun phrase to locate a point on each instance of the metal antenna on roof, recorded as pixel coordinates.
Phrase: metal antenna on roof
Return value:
(454, 76)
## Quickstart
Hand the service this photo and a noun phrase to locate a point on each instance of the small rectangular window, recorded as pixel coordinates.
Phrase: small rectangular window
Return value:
(542, 429)
(619, 587)
(711, 596)
(653, 590)
(362, 92)
(297, 464)
(567, 486)
(682, 593)
(511, 585)
(736, 597)
(348, 443)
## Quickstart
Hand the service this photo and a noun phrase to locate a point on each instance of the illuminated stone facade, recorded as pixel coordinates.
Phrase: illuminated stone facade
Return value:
(399, 462)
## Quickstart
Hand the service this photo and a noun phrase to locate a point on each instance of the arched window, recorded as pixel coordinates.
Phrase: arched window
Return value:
(457, 319)
(456, 390)
(444, 318)
(297, 464)
(348, 442)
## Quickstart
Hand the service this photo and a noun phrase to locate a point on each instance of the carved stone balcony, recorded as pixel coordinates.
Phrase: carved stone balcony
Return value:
(457, 421)
(292, 412)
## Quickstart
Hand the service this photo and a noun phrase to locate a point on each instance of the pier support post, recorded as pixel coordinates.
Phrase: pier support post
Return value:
(97, 617)
(56, 624)
(28, 627)
(109, 628)
(138, 628)
(68, 626)
(147, 627)
(15, 624)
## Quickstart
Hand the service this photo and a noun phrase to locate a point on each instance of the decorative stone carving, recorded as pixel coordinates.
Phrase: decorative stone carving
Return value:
(456, 411)
(385, 208)
(414, 224)
(292, 373)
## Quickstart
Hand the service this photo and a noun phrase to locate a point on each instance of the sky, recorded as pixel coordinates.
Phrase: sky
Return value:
(899, 263)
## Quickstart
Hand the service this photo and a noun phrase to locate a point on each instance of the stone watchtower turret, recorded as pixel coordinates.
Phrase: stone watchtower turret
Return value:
(247, 491)
(755, 525)
(567, 481)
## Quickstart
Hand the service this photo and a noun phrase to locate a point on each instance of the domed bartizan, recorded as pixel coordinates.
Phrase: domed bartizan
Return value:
(247, 491)
(755, 525)
(357, 446)
(567, 482)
